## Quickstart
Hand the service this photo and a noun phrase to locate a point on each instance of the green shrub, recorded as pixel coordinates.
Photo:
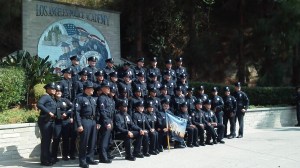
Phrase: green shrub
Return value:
(16, 115)
(258, 96)
(12, 86)
(38, 91)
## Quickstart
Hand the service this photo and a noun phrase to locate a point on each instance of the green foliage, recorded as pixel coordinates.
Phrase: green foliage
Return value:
(18, 116)
(12, 86)
(38, 91)
(258, 96)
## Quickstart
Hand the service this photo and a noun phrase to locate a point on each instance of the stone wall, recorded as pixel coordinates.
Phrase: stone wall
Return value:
(23, 140)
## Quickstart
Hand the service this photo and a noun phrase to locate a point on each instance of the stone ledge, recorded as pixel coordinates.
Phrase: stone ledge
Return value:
(13, 126)
(271, 109)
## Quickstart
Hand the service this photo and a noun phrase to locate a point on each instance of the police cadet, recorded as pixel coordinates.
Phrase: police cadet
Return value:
(162, 127)
(85, 110)
(153, 69)
(48, 107)
(177, 100)
(297, 97)
(106, 110)
(229, 112)
(140, 119)
(125, 70)
(182, 81)
(113, 81)
(191, 129)
(140, 82)
(139, 67)
(168, 68)
(164, 93)
(125, 82)
(75, 68)
(109, 68)
(137, 97)
(78, 88)
(200, 94)
(217, 104)
(152, 98)
(153, 82)
(199, 121)
(123, 95)
(63, 125)
(171, 84)
(212, 122)
(153, 134)
(242, 103)
(190, 99)
(126, 130)
(179, 69)
(66, 84)
(99, 78)
(91, 68)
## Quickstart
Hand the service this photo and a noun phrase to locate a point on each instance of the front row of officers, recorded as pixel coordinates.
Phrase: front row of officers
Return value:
(98, 123)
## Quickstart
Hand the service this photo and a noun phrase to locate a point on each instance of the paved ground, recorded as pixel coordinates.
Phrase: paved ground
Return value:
(272, 148)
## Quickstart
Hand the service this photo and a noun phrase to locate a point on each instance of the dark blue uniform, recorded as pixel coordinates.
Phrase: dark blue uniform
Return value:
(199, 121)
(175, 103)
(180, 71)
(190, 103)
(229, 114)
(107, 71)
(153, 71)
(162, 124)
(142, 85)
(210, 117)
(67, 89)
(171, 85)
(191, 131)
(217, 105)
(242, 102)
(91, 73)
(153, 136)
(131, 102)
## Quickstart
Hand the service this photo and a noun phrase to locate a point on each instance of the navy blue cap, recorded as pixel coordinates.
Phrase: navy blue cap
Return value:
(74, 57)
(123, 103)
(163, 87)
(64, 44)
(105, 84)
(88, 84)
(214, 89)
(58, 88)
(111, 60)
(149, 104)
(141, 74)
(226, 89)
(83, 72)
(99, 73)
(184, 104)
(92, 58)
(165, 101)
(168, 61)
(201, 88)
(142, 59)
(153, 59)
(152, 74)
(237, 84)
(50, 85)
(182, 76)
(137, 89)
(113, 74)
(178, 59)
(139, 104)
(190, 89)
(67, 70)
(178, 88)
(207, 101)
(198, 101)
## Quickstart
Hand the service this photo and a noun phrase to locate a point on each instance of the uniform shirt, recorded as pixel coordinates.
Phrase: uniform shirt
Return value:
(137, 70)
(140, 119)
(217, 103)
(202, 97)
(173, 74)
(210, 116)
(171, 85)
(190, 103)
(153, 84)
(78, 87)
(85, 107)
(64, 106)
(229, 104)
(152, 119)
(184, 86)
(131, 102)
(175, 103)
(242, 100)
(180, 70)
(75, 70)
(107, 71)
(47, 104)
(162, 119)
(155, 101)
(67, 89)
(186, 116)
(105, 107)
(91, 73)
(142, 85)
(123, 84)
(198, 117)
(124, 123)
(154, 70)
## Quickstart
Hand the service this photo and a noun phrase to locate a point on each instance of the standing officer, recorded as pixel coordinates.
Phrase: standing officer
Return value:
(298, 105)
(63, 125)
(113, 81)
(229, 112)
(137, 97)
(109, 67)
(126, 83)
(85, 110)
(171, 84)
(140, 82)
(91, 68)
(139, 67)
(78, 89)
(126, 130)
(152, 98)
(177, 100)
(48, 107)
(153, 69)
(201, 95)
(217, 105)
(75, 68)
(153, 82)
(67, 84)
(153, 134)
(106, 110)
(168, 68)
(190, 99)
(242, 102)
(179, 69)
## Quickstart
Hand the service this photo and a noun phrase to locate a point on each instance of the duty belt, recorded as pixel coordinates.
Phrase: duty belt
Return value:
(89, 117)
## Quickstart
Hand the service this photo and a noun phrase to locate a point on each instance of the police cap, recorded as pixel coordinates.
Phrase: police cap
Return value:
(109, 60)
(178, 88)
(165, 101)
(140, 74)
(226, 89)
(214, 89)
(139, 104)
(92, 58)
(201, 88)
(149, 104)
(163, 87)
(198, 101)
(113, 74)
(190, 89)
(237, 84)
(178, 59)
(67, 70)
(123, 103)
(99, 73)
(153, 59)
(50, 85)
(58, 88)
(207, 101)
(142, 59)
(83, 73)
(184, 104)
(182, 76)
(74, 57)
(105, 84)
(152, 74)
(168, 61)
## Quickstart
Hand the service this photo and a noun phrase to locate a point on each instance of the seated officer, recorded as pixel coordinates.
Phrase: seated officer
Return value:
(140, 119)
(153, 134)
(126, 130)
(199, 121)
(212, 121)
(191, 129)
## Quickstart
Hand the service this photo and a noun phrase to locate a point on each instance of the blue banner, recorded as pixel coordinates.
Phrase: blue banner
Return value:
(177, 126)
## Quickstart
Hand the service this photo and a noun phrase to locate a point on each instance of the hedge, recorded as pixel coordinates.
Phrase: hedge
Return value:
(258, 96)
(12, 87)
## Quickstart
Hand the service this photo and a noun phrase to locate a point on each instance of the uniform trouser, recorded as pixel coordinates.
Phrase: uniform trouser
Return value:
(220, 131)
(73, 136)
(128, 141)
(192, 135)
(232, 124)
(298, 113)
(61, 130)
(162, 141)
(46, 129)
(210, 133)
(153, 136)
(219, 116)
(240, 117)
(105, 136)
(145, 143)
(87, 140)
(200, 133)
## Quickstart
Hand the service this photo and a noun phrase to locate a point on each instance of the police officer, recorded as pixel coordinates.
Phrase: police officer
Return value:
(75, 67)
(78, 89)
(48, 107)
(106, 111)
(152, 98)
(153, 82)
(242, 103)
(99, 79)
(164, 93)
(171, 84)
(217, 104)
(153, 134)
(199, 121)
(109, 67)
(123, 95)
(190, 99)
(229, 112)
(139, 67)
(191, 129)
(85, 110)
(140, 119)
(63, 125)
(125, 82)
(140, 82)
(182, 81)
(113, 81)
(168, 68)
(297, 97)
(212, 121)
(153, 69)
(179, 69)
(91, 68)
(66, 84)
(201, 95)
(125, 70)
(137, 97)
(126, 130)
(177, 100)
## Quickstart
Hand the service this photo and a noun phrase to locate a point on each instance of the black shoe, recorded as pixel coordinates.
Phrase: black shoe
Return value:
(209, 143)
(130, 158)
(72, 157)
(215, 142)
(240, 136)
(105, 161)
(146, 154)
(196, 144)
(54, 160)
(93, 162)
(221, 141)
(83, 165)
(179, 146)
(138, 155)
(152, 153)
(159, 150)
(229, 136)
(189, 145)
(46, 163)
(65, 158)
(202, 144)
